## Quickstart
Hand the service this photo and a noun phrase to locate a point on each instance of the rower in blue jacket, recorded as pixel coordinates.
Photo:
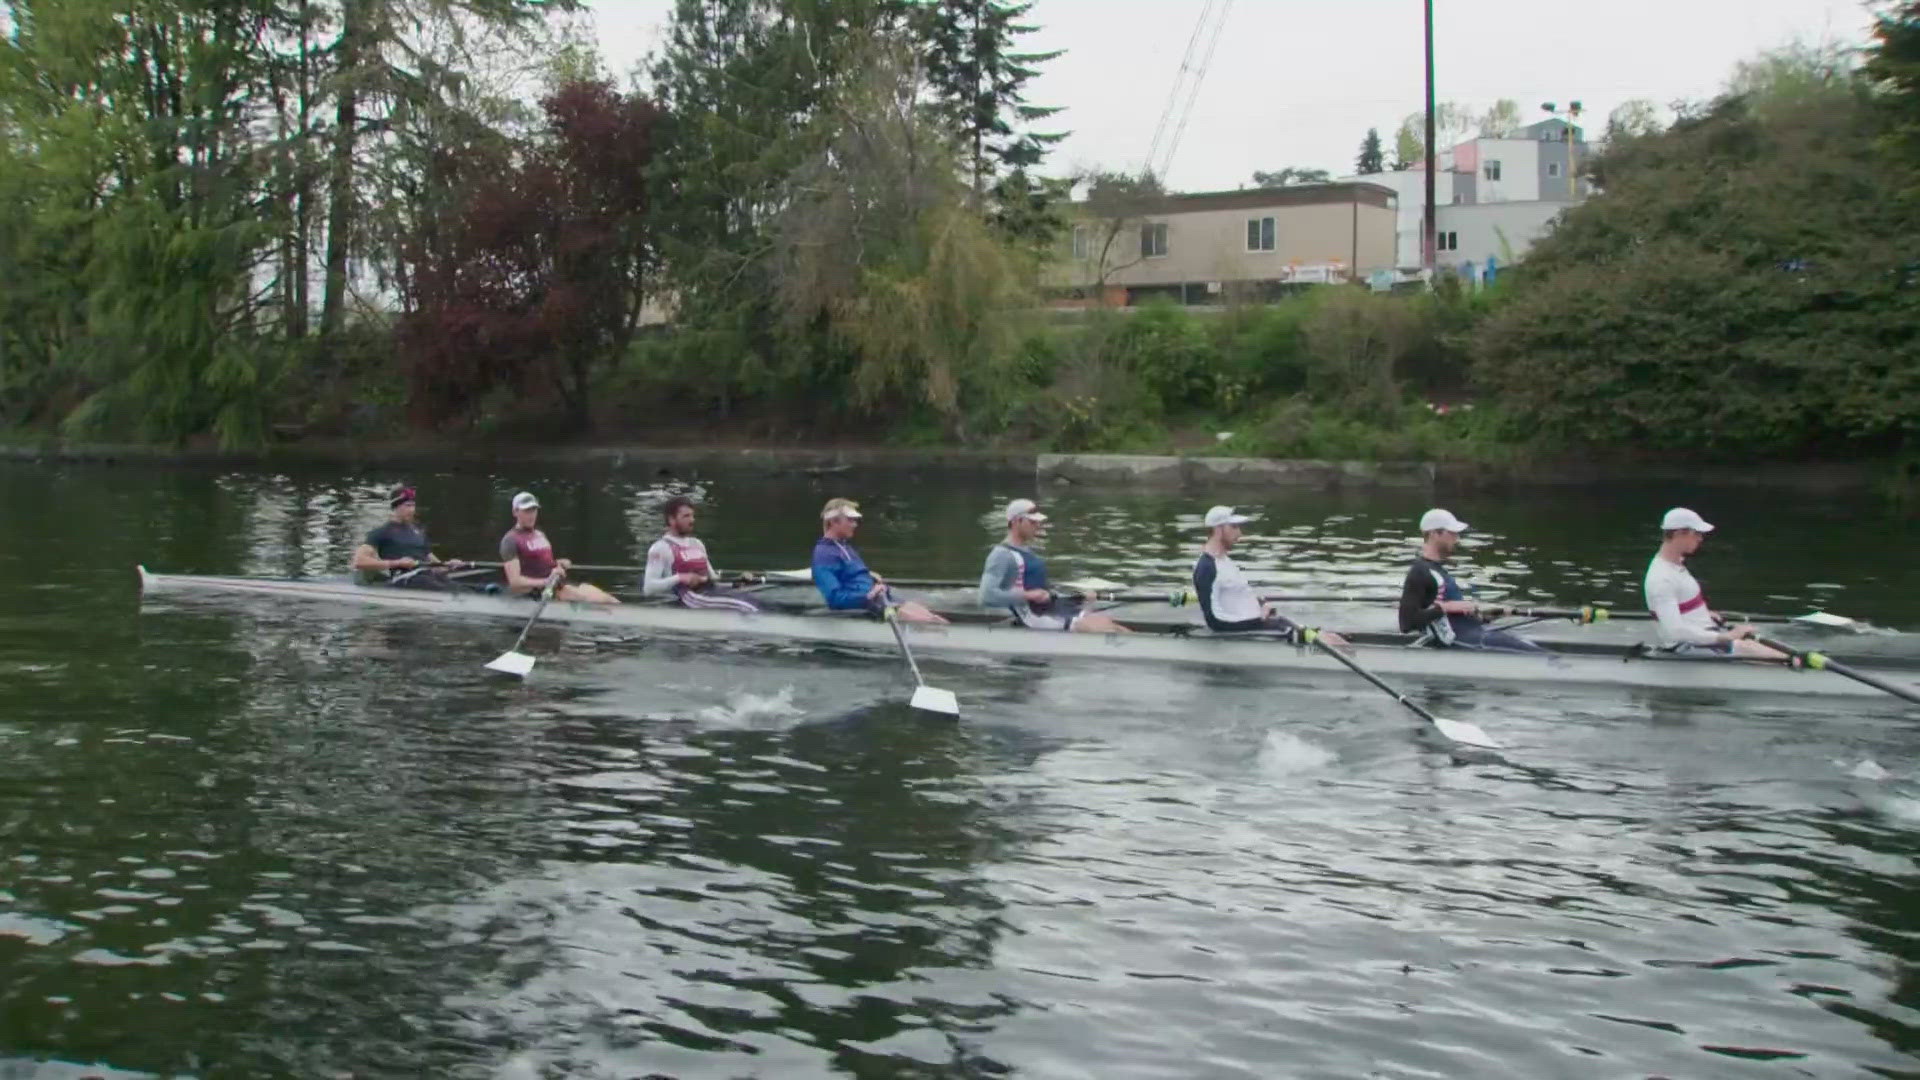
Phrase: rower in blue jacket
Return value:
(842, 576)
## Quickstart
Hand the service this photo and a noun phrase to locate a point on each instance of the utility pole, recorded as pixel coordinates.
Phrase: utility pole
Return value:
(1573, 167)
(1428, 237)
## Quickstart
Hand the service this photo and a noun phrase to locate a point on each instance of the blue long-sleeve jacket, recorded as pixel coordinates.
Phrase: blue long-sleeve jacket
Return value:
(841, 575)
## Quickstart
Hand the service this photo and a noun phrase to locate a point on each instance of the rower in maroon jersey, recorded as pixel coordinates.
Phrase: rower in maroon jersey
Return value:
(530, 563)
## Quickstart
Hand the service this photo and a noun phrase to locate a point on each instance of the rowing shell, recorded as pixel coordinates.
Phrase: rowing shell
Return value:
(857, 631)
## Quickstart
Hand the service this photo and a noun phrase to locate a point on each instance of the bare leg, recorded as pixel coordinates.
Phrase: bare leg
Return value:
(915, 611)
(1096, 623)
(1753, 650)
(584, 593)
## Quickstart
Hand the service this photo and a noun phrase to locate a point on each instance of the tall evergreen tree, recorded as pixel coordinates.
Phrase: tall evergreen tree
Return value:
(739, 79)
(1372, 159)
(377, 74)
(979, 76)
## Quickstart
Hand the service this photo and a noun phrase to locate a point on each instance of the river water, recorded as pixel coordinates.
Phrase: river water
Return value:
(249, 839)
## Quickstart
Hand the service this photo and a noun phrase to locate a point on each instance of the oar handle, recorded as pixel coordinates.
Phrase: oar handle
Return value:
(1820, 662)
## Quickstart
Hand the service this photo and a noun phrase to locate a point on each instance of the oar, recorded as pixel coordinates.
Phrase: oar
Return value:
(925, 698)
(586, 567)
(805, 577)
(1183, 597)
(1590, 613)
(1458, 730)
(513, 661)
(1595, 614)
(1819, 662)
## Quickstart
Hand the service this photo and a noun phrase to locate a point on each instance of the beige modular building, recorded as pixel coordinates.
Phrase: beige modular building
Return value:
(1205, 247)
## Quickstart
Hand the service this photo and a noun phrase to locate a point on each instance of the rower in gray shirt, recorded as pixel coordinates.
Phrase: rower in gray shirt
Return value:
(1015, 580)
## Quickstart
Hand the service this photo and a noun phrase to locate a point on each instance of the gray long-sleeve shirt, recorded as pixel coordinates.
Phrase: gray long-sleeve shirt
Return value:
(1003, 583)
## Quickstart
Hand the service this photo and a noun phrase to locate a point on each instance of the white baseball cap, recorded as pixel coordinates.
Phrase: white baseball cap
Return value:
(1224, 515)
(525, 501)
(1682, 518)
(1025, 509)
(1438, 520)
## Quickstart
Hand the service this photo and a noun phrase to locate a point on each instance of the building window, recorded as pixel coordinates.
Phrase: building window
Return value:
(1260, 234)
(1447, 241)
(1080, 245)
(1492, 170)
(1553, 168)
(1153, 241)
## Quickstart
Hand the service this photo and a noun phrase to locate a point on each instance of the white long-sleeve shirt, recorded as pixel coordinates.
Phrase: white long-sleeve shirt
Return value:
(671, 556)
(1679, 606)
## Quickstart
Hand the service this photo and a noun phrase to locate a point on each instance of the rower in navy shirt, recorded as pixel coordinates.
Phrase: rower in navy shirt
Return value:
(842, 576)
(397, 552)
(1433, 603)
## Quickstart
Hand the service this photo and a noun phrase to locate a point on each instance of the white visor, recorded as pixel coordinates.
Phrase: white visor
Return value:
(1024, 510)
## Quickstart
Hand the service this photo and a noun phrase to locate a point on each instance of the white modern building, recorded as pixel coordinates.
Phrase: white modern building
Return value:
(1493, 198)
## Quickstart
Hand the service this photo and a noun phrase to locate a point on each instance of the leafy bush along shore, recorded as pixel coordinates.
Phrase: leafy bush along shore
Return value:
(337, 226)
(1332, 372)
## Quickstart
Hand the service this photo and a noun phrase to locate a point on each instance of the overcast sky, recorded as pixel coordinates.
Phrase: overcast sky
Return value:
(1298, 82)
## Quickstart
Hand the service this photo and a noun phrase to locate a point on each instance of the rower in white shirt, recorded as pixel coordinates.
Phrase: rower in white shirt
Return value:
(1686, 624)
(1228, 602)
(678, 567)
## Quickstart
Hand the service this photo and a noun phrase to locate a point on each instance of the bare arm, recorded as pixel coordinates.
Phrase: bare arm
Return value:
(365, 558)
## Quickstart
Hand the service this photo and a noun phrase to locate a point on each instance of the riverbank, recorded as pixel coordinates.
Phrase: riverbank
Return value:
(1181, 472)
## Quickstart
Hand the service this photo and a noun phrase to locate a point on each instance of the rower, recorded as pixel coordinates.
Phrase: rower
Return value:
(1015, 579)
(529, 561)
(677, 566)
(1227, 602)
(1432, 602)
(842, 576)
(1687, 626)
(397, 551)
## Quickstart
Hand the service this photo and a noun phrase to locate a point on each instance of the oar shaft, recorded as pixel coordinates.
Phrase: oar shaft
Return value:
(587, 567)
(1375, 680)
(545, 596)
(1819, 662)
(900, 635)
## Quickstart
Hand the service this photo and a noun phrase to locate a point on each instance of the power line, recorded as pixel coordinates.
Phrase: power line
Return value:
(1188, 68)
(1193, 92)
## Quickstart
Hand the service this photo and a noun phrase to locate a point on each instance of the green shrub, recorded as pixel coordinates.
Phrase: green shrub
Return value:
(1168, 349)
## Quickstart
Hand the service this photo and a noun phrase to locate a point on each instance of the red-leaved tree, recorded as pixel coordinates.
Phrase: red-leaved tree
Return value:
(539, 276)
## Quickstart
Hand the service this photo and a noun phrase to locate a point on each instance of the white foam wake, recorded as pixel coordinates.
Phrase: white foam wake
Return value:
(743, 708)
(1285, 754)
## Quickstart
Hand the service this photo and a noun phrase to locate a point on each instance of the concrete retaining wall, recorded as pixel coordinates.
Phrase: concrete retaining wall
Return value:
(1132, 471)
(1135, 470)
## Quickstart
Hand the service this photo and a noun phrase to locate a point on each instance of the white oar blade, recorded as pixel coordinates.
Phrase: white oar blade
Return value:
(935, 700)
(804, 576)
(517, 664)
(1464, 733)
(1821, 618)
